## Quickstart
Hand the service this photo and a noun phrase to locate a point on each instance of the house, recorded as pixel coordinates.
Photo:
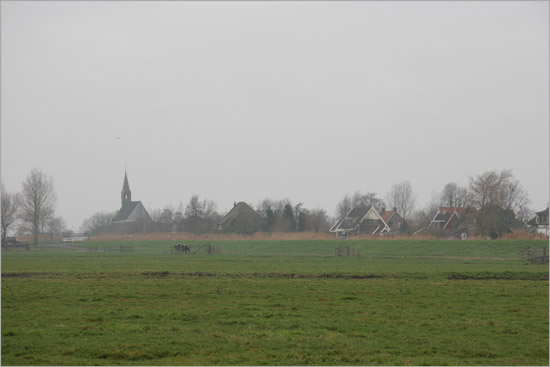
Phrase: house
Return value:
(539, 224)
(132, 216)
(455, 222)
(393, 220)
(364, 220)
(446, 218)
(240, 219)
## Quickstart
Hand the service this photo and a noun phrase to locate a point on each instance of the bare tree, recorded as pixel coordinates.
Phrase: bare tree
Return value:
(200, 216)
(500, 189)
(514, 196)
(317, 221)
(276, 206)
(370, 199)
(10, 208)
(56, 225)
(155, 214)
(487, 189)
(38, 201)
(524, 213)
(210, 214)
(193, 208)
(344, 206)
(98, 223)
(167, 215)
(402, 198)
(454, 195)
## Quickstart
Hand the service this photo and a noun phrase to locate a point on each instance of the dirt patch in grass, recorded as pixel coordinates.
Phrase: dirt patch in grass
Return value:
(498, 276)
(155, 274)
(24, 275)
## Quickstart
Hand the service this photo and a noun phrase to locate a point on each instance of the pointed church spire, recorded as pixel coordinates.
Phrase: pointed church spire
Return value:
(125, 186)
(126, 194)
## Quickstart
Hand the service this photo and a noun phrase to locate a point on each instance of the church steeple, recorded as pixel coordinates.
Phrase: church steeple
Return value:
(126, 194)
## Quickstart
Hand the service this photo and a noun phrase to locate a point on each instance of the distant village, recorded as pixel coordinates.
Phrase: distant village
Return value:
(361, 215)
(492, 206)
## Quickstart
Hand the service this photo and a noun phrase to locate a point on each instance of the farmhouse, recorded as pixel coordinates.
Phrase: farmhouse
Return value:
(366, 220)
(539, 223)
(446, 218)
(455, 222)
(240, 219)
(132, 216)
(459, 222)
(393, 219)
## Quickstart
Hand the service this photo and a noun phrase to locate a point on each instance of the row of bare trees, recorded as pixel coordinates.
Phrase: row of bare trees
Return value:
(198, 216)
(33, 209)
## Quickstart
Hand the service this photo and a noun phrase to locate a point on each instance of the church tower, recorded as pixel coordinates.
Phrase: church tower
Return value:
(126, 194)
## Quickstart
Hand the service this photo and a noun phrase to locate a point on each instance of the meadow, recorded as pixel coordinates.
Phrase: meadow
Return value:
(398, 302)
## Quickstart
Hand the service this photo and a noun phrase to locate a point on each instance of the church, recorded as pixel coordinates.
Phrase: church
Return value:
(132, 216)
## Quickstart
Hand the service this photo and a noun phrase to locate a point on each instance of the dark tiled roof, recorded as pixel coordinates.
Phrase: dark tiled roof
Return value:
(125, 213)
(443, 217)
(336, 225)
(241, 209)
(349, 223)
(449, 209)
(358, 212)
(388, 214)
(352, 220)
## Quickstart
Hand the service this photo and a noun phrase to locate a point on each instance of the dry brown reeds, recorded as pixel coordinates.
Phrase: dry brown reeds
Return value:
(524, 236)
(273, 236)
(180, 236)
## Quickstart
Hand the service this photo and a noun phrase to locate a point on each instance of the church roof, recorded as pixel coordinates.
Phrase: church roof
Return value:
(133, 210)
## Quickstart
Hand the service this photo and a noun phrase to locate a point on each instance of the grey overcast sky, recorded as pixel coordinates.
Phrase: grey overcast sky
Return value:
(239, 101)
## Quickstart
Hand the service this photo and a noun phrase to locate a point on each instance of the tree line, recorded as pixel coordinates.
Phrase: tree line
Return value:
(201, 215)
(33, 209)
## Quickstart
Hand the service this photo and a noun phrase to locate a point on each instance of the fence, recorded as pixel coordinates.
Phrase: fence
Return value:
(344, 251)
(535, 255)
(112, 249)
(194, 249)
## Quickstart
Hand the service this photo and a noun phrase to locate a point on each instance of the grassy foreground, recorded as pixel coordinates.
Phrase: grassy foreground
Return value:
(277, 303)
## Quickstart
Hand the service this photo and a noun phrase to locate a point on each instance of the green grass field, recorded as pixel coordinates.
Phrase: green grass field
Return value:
(277, 303)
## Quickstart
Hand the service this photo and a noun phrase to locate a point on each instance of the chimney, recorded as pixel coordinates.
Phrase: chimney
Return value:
(383, 209)
(234, 204)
